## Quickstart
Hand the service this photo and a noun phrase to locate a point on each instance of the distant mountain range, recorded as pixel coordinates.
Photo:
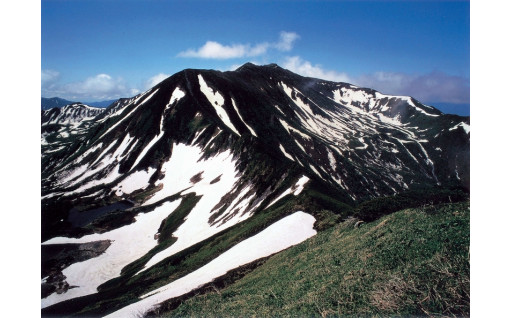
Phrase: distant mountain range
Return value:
(48, 103)
(101, 104)
(208, 171)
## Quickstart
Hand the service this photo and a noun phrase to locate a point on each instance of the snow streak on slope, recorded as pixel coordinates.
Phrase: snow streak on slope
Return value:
(217, 101)
(243, 121)
(296, 189)
(176, 96)
(284, 233)
(184, 164)
(291, 129)
(133, 110)
(146, 149)
(129, 243)
(285, 153)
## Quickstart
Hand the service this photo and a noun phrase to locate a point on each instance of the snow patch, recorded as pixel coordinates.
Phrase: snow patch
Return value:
(332, 160)
(135, 181)
(147, 148)
(177, 94)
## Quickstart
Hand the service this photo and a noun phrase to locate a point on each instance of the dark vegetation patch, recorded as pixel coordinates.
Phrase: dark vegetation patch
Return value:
(79, 218)
(197, 177)
(222, 205)
(142, 195)
(217, 179)
(374, 209)
(55, 283)
(170, 224)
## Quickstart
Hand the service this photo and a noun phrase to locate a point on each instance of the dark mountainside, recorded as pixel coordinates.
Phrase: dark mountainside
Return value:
(355, 151)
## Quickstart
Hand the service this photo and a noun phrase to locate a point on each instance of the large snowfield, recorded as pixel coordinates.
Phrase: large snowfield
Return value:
(284, 233)
(184, 164)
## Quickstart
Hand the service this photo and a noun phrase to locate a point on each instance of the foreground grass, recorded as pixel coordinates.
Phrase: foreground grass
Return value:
(412, 262)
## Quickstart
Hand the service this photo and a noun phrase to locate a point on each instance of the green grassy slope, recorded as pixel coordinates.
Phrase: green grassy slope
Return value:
(412, 262)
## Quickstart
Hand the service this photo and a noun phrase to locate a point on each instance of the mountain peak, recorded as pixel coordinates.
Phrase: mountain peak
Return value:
(250, 65)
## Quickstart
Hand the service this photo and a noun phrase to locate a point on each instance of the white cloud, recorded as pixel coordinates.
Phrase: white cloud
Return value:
(431, 87)
(305, 68)
(155, 80)
(101, 86)
(98, 87)
(48, 77)
(286, 40)
(94, 88)
(216, 50)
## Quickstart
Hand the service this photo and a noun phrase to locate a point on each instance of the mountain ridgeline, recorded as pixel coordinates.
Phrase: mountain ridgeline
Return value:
(237, 150)
(49, 103)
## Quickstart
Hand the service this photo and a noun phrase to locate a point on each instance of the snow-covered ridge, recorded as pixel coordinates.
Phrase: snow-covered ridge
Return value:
(70, 114)
(131, 112)
(463, 125)
(355, 98)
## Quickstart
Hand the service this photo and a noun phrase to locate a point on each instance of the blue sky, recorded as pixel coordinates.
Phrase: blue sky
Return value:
(98, 50)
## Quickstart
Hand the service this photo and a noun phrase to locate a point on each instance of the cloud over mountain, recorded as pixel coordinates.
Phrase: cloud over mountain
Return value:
(155, 80)
(435, 86)
(216, 50)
